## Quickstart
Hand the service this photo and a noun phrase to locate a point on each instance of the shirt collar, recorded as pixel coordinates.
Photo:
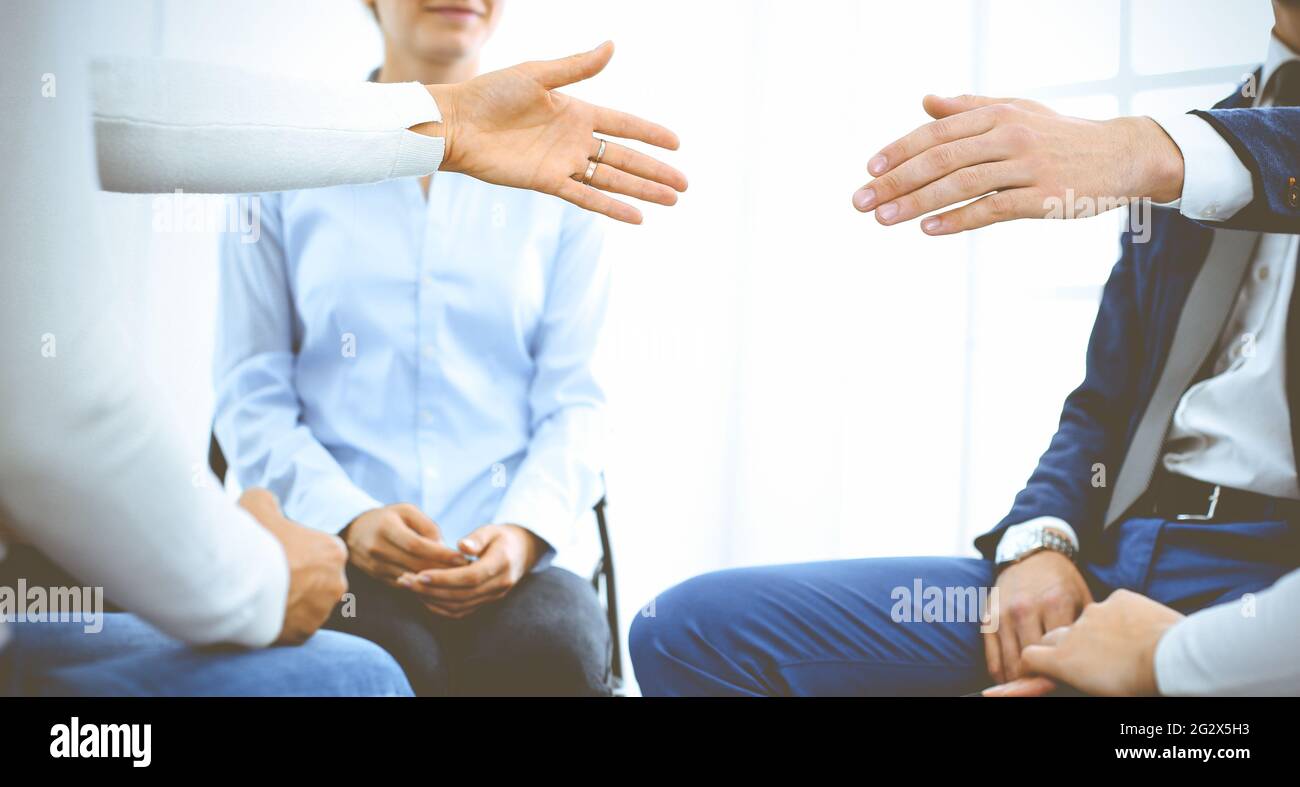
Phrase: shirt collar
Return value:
(1278, 55)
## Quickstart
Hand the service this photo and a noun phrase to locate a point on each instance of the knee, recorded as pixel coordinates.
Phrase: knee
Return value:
(563, 648)
(676, 627)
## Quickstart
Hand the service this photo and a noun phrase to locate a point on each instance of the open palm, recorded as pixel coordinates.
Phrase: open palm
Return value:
(511, 128)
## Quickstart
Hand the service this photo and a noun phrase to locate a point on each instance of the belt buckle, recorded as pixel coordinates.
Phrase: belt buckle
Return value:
(1209, 512)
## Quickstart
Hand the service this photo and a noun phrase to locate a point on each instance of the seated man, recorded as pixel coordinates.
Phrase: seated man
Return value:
(408, 364)
(1172, 475)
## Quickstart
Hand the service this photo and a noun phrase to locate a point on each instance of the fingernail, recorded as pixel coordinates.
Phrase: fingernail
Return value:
(426, 580)
(877, 165)
(863, 199)
(469, 545)
(404, 581)
(887, 211)
(932, 224)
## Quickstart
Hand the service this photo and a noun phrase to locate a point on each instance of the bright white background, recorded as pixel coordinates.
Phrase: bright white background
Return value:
(788, 380)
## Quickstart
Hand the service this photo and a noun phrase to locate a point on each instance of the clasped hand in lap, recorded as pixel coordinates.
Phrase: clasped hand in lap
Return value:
(402, 546)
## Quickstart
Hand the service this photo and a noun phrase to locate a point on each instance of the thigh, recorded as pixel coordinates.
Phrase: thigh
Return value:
(48, 645)
(548, 636)
(395, 620)
(135, 659)
(852, 627)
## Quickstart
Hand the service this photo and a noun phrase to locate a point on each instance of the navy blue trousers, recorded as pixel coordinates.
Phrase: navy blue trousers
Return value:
(835, 628)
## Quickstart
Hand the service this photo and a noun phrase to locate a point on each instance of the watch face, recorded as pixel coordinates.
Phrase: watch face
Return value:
(1016, 544)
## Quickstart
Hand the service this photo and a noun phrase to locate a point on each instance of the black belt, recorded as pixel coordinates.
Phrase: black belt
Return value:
(1176, 497)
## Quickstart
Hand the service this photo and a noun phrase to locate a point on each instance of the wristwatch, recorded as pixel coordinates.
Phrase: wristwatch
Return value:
(1020, 542)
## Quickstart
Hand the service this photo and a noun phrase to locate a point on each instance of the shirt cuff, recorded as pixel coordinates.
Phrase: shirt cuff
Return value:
(413, 104)
(542, 515)
(1216, 185)
(331, 506)
(1043, 521)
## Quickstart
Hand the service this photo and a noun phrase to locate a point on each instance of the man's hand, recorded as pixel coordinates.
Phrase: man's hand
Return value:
(316, 561)
(398, 539)
(505, 554)
(511, 128)
(1028, 160)
(1109, 651)
(1036, 595)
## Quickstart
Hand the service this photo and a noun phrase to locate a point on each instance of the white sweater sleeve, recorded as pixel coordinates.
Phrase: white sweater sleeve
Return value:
(167, 125)
(93, 470)
(1245, 647)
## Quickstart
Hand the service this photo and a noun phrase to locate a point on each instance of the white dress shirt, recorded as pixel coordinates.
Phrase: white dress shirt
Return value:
(92, 469)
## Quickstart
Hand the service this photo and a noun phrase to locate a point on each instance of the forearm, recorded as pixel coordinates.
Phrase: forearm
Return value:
(1072, 479)
(560, 478)
(258, 424)
(164, 125)
(1243, 647)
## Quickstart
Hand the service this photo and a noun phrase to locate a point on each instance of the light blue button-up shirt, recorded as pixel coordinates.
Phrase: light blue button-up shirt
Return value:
(376, 347)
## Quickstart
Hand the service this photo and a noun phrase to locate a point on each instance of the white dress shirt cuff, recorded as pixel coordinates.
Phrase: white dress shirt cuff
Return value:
(1045, 521)
(1216, 185)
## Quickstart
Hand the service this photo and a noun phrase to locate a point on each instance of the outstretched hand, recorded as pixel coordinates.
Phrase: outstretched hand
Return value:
(511, 128)
(1016, 159)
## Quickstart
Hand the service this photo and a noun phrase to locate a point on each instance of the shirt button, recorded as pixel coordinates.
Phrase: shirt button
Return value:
(426, 417)
(426, 280)
(430, 474)
(1212, 209)
(1263, 273)
(427, 351)
(1293, 193)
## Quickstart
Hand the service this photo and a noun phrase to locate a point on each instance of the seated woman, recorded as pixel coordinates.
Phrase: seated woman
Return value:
(408, 364)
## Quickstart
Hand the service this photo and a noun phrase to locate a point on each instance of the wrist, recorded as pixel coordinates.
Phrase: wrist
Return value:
(353, 529)
(534, 546)
(445, 97)
(1148, 685)
(1158, 162)
(1042, 534)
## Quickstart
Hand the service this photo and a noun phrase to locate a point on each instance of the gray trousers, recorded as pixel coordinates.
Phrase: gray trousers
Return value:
(547, 637)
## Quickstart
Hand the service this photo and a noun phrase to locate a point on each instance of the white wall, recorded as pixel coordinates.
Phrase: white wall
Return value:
(789, 381)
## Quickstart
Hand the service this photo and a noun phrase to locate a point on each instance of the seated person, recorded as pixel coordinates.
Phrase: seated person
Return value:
(408, 364)
(1170, 488)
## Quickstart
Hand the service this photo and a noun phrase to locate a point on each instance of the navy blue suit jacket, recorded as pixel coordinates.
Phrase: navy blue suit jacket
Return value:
(1139, 310)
